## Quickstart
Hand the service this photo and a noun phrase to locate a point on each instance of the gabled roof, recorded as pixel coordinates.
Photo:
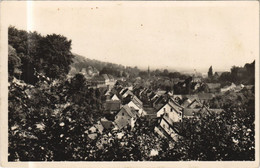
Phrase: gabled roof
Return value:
(173, 105)
(134, 99)
(186, 102)
(129, 111)
(152, 95)
(137, 101)
(194, 101)
(150, 110)
(159, 100)
(99, 126)
(112, 95)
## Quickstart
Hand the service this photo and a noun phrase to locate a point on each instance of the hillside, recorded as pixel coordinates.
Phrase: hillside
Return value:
(81, 62)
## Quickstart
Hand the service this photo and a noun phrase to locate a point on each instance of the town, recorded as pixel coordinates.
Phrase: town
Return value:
(124, 102)
(66, 107)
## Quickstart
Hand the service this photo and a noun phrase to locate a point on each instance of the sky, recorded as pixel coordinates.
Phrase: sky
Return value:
(173, 35)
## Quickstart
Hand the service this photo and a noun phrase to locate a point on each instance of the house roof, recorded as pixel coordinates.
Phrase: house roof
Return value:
(194, 101)
(129, 111)
(99, 126)
(187, 102)
(160, 92)
(159, 100)
(150, 110)
(138, 101)
(190, 112)
(112, 95)
(174, 104)
(112, 105)
(191, 97)
(106, 123)
(134, 99)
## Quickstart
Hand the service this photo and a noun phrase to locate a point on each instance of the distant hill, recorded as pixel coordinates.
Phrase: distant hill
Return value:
(81, 62)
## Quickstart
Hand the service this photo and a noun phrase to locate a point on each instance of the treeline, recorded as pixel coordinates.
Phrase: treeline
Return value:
(238, 75)
(162, 73)
(30, 52)
(48, 114)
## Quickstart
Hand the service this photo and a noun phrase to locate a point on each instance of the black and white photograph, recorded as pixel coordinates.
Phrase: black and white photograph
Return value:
(130, 82)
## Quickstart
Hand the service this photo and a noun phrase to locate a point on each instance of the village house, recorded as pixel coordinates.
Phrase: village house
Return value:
(171, 109)
(167, 128)
(96, 129)
(134, 102)
(103, 80)
(126, 92)
(114, 97)
(126, 117)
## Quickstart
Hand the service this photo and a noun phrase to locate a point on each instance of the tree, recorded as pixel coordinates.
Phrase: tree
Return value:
(210, 72)
(54, 55)
(14, 62)
(165, 72)
(49, 55)
(211, 136)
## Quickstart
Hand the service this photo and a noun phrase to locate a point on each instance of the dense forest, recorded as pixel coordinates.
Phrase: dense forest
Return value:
(48, 113)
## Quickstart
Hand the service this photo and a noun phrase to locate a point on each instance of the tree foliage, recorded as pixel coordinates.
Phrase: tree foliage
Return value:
(49, 55)
(210, 72)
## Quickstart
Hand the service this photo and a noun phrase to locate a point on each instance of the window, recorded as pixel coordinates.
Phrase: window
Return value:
(171, 109)
(123, 114)
(164, 109)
